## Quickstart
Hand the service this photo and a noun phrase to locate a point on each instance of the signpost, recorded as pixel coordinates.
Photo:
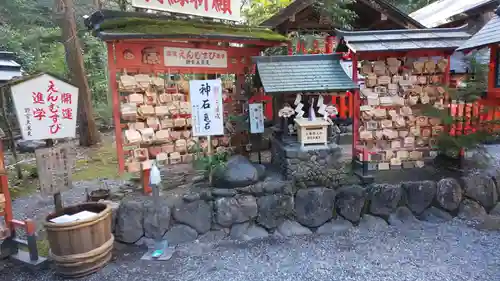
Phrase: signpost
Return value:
(46, 109)
(256, 116)
(207, 111)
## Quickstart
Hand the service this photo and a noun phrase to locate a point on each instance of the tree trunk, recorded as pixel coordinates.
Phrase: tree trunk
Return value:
(89, 135)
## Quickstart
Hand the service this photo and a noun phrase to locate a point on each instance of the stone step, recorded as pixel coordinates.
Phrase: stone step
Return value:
(345, 138)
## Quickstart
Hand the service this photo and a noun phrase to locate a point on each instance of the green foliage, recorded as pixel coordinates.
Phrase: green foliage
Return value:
(29, 30)
(208, 164)
(337, 11)
(261, 10)
(471, 90)
(153, 26)
(409, 6)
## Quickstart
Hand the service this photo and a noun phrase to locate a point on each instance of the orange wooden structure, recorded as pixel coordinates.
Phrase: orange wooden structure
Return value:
(383, 44)
(129, 34)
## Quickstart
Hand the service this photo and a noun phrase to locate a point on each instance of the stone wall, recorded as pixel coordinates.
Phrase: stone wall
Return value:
(313, 165)
(281, 208)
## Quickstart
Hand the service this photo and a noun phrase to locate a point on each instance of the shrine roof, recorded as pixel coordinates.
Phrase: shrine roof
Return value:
(114, 25)
(302, 73)
(404, 39)
(489, 34)
(298, 5)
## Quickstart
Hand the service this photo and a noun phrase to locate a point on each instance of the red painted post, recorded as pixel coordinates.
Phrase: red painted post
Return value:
(115, 97)
(356, 105)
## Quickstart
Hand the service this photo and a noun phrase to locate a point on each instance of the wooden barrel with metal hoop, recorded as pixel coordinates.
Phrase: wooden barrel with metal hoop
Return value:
(83, 247)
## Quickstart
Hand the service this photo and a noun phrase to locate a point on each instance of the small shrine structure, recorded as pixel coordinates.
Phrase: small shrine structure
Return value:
(402, 70)
(151, 57)
(489, 37)
(301, 87)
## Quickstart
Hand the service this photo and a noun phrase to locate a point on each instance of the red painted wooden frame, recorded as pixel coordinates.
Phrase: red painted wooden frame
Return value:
(239, 63)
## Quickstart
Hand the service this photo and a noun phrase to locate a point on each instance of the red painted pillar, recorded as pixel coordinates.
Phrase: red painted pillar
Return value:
(329, 44)
(356, 104)
(115, 97)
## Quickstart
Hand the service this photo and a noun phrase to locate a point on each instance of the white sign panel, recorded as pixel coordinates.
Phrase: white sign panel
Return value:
(46, 108)
(218, 9)
(207, 112)
(188, 57)
(256, 116)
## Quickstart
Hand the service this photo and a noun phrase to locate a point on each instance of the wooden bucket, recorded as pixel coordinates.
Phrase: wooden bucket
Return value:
(83, 247)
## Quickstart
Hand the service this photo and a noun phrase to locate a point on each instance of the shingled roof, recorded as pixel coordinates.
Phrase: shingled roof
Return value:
(444, 11)
(489, 34)
(404, 39)
(298, 5)
(8, 67)
(302, 73)
(116, 25)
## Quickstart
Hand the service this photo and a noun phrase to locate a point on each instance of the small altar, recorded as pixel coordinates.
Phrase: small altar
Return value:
(312, 132)
(305, 133)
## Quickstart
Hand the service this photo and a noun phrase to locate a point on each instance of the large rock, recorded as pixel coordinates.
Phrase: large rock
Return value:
(238, 172)
(337, 226)
(314, 206)
(292, 228)
(419, 195)
(494, 173)
(29, 146)
(239, 230)
(197, 214)
(236, 209)
(481, 188)
(213, 236)
(273, 209)
(256, 232)
(496, 210)
(384, 198)
(449, 194)
(435, 215)
(369, 222)
(179, 234)
(470, 210)
(129, 219)
(350, 202)
(401, 216)
(156, 219)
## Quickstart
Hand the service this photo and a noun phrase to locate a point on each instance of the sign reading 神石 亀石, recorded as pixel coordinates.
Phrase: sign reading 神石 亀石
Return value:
(206, 107)
(46, 108)
(218, 9)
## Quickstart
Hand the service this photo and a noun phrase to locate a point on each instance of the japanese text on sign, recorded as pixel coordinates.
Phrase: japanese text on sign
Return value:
(54, 168)
(219, 9)
(46, 108)
(188, 57)
(256, 115)
(207, 110)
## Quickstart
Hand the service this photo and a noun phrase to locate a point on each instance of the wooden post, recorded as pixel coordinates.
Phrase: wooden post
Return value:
(89, 135)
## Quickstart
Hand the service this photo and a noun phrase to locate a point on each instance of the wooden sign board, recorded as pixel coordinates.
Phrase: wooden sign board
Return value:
(54, 165)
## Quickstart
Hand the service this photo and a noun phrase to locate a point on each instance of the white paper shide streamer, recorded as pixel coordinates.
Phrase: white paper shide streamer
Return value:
(298, 107)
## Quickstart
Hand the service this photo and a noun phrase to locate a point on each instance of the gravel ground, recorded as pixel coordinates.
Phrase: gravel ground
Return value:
(451, 251)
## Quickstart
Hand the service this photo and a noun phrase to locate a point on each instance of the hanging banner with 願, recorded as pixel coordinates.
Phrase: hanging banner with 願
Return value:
(46, 108)
(206, 107)
(217, 9)
(256, 116)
